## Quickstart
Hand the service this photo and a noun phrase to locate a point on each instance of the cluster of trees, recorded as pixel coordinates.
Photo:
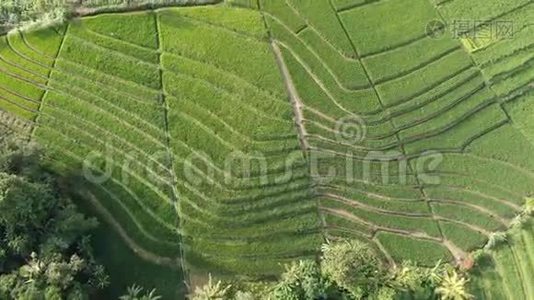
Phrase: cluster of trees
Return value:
(45, 250)
(27, 14)
(348, 269)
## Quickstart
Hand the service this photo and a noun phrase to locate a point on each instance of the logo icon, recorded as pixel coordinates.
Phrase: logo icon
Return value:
(435, 29)
(350, 130)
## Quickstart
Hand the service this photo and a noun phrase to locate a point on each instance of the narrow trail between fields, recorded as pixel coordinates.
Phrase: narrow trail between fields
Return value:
(181, 261)
(298, 106)
(294, 97)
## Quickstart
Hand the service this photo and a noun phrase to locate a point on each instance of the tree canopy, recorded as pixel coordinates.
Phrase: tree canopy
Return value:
(348, 269)
(44, 241)
(15, 13)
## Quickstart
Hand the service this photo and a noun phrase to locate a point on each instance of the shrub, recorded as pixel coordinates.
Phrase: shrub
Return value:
(301, 280)
(30, 13)
(353, 266)
(45, 249)
(211, 291)
(135, 292)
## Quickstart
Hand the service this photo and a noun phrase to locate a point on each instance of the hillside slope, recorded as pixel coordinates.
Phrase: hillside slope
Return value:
(232, 140)
(509, 271)
(418, 153)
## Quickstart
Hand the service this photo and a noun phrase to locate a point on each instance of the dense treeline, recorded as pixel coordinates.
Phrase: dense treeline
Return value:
(15, 13)
(348, 270)
(45, 250)
(35, 13)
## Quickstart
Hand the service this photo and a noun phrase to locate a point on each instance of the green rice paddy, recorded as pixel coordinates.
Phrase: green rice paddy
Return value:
(158, 101)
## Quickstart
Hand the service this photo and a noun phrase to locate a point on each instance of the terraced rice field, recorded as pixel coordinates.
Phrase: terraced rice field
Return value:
(416, 94)
(155, 99)
(509, 271)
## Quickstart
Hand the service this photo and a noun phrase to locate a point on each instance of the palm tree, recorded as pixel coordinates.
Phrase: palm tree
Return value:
(134, 293)
(101, 279)
(211, 291)
(34, 269)
(292, 272)
(434, 275)
(151, 295)
(453, 287)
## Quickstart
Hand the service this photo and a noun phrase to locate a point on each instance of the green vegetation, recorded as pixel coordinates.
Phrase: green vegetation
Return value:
(354, 267)
(114, 253)
(45, 247)
(398, 30)
(129, 127)
(506, 270)
(30, 14)
(348, 269)
(424, 94)
(505, 59)
(135, 292)
(178, 127)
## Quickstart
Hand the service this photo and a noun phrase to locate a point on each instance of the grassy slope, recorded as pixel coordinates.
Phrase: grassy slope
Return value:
(414, 94)
(213, 97)
(508, 272)
(115, 255)
(108, 83)
(128, 88)
(125, 267)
